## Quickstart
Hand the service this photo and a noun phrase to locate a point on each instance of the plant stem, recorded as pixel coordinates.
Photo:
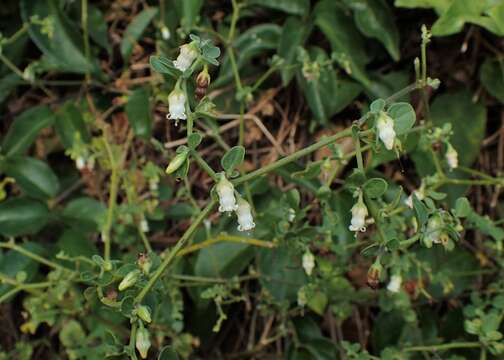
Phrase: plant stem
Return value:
(292, 157)
(221, 238)
(85, 36)
(114, 187)
(241, 134)
(358, 151)
(204, 165)
(33, 256)
(442, 347)
(168, 259)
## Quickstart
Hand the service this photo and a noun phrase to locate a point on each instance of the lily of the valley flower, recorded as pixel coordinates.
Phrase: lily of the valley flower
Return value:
(244, 213)
(452, 157)
(188, 53)
(308, 262)
(176, 105)
(227, 199)
(386, 133)
(394, 284)
(359, 213)
(142, 341)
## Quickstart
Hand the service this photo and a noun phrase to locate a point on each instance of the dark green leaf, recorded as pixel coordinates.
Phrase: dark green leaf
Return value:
(224, 260)
(168, 353)
(76, 243)
(69, 122)
(404, 117)
(420, 211)
(377, 105)
(374, 188)
(164, 66)
(194, 140)
(294, 33)
(375, 19)
(64, 49)
(135, 29)
(295, 7)
(233, 158)
(33, 176)
(462, 207)
(139, 113)
(25, 129)
(7, 84)
(189, 11)
(85, 213)
(97, 27)
(20, 216)
(492, 77)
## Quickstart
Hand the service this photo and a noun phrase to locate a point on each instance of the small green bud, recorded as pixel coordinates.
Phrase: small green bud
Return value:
(144, 263)
(143, 313)
(107, 266)
(142, 341)
(129, 280)
(177, 162)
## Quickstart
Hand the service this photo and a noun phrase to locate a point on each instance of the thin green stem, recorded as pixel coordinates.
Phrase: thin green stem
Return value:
(204, 165)
(228, 238)
(114, 188)
(358, 151)
(17, 34)
(133, 340)
(33, 256)
(85, 36)
(145, 240)
(174, 251)
(292, 157)
(241, 137)
(443, 347)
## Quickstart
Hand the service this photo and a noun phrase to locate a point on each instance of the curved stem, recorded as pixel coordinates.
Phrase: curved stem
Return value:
(442, 347)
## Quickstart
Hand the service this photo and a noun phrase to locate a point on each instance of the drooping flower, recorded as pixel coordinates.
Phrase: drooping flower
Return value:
(244, 213)
(395, 283)
(227, 199)
(176, 105)
(386, 133)
(142, 341)
(419, 193)
(165, 33)
(188, 53)
(359, 213)
(451, 157)
(308, 262)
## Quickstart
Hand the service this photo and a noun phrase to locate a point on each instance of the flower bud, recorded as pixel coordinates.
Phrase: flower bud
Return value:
(395, 283)
(142, 341)
(308, 262)
(227, 199)
(386, 133)
(176, 162)
(165, 33)
(143, 313)
(244, 213)
(144, 262)
(451, 157)
(433, 230)
(373, 275)
(188, 53)
(176, 105)
(129, 280)
(359, 213)
(202, 82)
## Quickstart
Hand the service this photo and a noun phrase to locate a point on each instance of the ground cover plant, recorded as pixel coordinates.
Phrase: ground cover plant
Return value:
(251, 179)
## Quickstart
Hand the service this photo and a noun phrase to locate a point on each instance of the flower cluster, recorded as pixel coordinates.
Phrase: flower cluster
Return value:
(228, 203)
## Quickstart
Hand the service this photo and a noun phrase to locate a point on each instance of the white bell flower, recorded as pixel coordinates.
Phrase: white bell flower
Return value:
(165, 33)
(394, 284)
(188, 53)
(419, 193)
(359, 213)
(452, 157)
(308, 262)
(244, 213)
(176, 105)
(227, 199)
(386, 133)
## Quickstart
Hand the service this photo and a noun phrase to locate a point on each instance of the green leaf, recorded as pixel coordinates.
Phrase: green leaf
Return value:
(139, 113)
(12, 263)
(294, 7)
(194, 140)
(7, 84)
(253, 42)
(75, 243)
(420, 211)
(21, 216)
(168, 353)
(404, 117)
(233, 158)
(33, 176)
(135, 29)
(69, 122)
(223, 260)
(189, 11)
(293, 35)
(375, 20)
(374, 188)
(25, 129)
(462, 207)
(84, 213)
(377, 105)
(492, 77)
(64, 50)
(97, 27)
(164, 66)
(282, 274)
(439, 5)
(318, 302)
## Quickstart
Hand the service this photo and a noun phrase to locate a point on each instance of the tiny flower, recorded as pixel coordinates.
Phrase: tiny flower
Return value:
(244, 213)
(394, 284)
(176, 105)
(359, 213)
(144, 226)
(308, 262)
(227, 199)
(142, 342)
(80, 163)
(165, 33)
(188, 53)
(386, 133)
(143, 313)
(373, 275)
(452, 157)
(129, 280)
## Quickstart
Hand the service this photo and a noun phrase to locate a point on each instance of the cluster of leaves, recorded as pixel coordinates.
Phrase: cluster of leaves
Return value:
(88, 218)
